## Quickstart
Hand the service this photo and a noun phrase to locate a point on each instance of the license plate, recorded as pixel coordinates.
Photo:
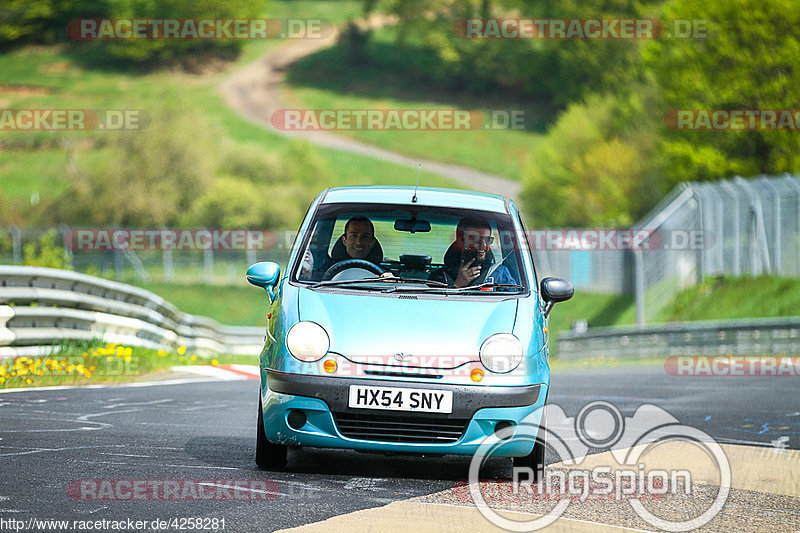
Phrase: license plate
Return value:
(397, 399)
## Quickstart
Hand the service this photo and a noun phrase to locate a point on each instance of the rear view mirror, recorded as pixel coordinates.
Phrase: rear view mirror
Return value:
(555, 290)
(412, 225)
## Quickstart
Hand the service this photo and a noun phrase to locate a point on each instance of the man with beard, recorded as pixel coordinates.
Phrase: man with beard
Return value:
(469, 260)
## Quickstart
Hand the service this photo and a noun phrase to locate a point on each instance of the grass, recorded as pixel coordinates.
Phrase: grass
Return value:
(242, 305)
(54, 77)
(95, 362)
(399, 77)
(728, 297)
(597, 309)
(717, 299)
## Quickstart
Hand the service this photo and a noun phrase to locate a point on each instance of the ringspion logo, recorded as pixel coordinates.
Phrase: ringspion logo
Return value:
(628, 475)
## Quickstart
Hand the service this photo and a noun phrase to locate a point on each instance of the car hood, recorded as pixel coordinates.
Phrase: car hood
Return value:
(430, 333)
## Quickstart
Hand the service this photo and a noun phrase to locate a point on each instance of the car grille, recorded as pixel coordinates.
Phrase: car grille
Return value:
(400, 428)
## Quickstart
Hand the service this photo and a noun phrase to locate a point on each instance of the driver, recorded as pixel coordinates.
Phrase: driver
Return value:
(469, 260)
(357, 242)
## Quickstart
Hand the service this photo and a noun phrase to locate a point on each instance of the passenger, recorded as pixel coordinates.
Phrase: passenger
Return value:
(469, 261)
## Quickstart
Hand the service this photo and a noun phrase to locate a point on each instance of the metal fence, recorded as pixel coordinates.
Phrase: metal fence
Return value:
(733, 227)
(186, 265)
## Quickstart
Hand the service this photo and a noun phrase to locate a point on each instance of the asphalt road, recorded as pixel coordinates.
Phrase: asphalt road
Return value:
(206, 431)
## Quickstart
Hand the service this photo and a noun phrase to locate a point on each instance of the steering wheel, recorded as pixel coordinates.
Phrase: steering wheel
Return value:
(351, 263)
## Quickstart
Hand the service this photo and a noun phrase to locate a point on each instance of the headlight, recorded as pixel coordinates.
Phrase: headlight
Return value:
(501, 353)
(307, 341)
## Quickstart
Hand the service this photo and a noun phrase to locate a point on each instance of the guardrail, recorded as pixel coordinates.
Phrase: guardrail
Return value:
(763, 336)
(40, 307)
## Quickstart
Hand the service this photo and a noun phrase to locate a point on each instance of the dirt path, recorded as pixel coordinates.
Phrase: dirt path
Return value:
(257, 91)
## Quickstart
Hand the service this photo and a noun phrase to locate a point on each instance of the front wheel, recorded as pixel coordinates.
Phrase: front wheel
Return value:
(268, 455)
(535, 460)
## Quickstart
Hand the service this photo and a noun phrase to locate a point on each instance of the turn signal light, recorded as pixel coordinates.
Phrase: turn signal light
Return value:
(329, 366)
(476, 375)
(544, 329)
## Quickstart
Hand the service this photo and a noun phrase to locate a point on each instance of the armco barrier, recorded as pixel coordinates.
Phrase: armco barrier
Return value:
(764, 336)
(40, 307)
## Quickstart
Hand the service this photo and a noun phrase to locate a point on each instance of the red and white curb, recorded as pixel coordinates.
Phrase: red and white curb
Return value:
(221, 372)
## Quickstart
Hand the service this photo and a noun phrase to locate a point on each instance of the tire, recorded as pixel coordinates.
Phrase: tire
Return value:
(268, 455)
(535, 459)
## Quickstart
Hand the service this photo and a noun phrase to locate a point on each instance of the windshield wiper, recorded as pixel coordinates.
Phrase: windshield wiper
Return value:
(429, 282)
(429, 285)
(488, 284)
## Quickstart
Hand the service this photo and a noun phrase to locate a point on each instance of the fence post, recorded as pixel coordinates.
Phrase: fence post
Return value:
(638, 273)
(16, 244)
(63, 231)
(166, 257)
(699, 214)
(118, 263)
(208, 264)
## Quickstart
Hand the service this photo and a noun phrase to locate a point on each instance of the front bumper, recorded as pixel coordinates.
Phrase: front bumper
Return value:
(330, 422)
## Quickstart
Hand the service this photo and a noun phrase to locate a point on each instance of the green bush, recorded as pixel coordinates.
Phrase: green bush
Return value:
(45, 253)
(151, 178)
(588, 170)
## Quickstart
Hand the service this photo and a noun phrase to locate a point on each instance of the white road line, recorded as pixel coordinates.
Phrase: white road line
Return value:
(182, 381)
(125, 454)
(221, 486)
(212, 467)
(112, 406)
(43, 450)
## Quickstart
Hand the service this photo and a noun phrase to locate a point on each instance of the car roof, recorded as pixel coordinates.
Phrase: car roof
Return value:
(426, 196)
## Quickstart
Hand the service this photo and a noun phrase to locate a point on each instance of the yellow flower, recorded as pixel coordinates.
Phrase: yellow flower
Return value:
(28, 381)
(214, 362)
(162, 353)
(182, 350)
(193, 358)
(2, 380)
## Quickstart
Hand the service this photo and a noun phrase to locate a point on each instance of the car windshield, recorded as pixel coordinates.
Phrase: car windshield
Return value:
(392, 248)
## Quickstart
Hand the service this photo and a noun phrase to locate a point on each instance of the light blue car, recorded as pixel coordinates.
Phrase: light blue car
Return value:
(407, 321)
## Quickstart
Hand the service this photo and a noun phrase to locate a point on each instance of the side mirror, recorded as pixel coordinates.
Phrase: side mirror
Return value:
(555, 290)
(265, 275)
